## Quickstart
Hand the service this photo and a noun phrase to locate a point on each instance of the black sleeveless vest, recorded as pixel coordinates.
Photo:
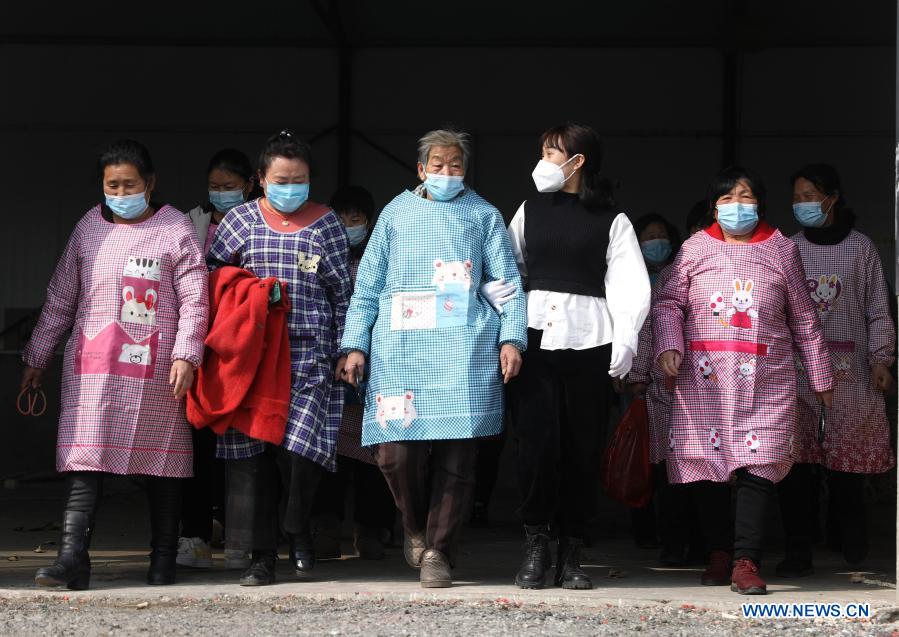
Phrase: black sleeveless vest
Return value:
(566, 244)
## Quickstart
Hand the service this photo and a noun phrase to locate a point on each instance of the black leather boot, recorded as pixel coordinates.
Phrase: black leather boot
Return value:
(569, 573)
(302, 554)
(72, 567)
(164, 495)
(261, 571)
(537, 558)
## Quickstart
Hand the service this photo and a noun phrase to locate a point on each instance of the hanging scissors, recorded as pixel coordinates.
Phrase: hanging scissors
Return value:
(35, 402)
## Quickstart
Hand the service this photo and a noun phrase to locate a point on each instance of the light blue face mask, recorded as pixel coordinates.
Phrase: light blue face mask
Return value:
(656, 250)
(444, 187)
(738, 218)
(224, 200)
(128, 206)
(809, 214)
(357, 234)
(287, 197)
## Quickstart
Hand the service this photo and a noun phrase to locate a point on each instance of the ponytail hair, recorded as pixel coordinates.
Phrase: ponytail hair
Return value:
(597, 191)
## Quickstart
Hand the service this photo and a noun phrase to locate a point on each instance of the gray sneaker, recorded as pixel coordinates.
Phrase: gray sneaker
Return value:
(237, 559)
(435, 570)
(413, 548)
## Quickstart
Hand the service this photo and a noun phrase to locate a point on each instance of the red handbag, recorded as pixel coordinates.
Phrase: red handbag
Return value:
(626, 472)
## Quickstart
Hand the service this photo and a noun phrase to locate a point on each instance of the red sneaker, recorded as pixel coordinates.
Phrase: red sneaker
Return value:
(745, 579)
(718, 571)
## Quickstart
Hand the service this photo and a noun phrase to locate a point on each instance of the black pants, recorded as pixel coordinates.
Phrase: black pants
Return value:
(203, 496)
(561, 408)
(744, 533)
(84, 493)
(276, 483)
(432, 483)
(846, 513)
(679, 525)
(487, 469)
(372, 501)
(798, 497)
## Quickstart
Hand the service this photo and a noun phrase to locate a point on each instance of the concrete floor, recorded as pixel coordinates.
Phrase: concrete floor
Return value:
(622, 574)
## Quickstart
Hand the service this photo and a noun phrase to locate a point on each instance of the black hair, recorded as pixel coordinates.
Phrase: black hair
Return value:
(127, 151)
(827, 181)
(578, 139)
(727, 179)
(353, 198)
(284, 144)
(673, 233)
(233, 161)
(698, 217)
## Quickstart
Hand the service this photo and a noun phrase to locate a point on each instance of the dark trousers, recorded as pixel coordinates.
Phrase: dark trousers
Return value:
(798, 497)
(274, 484)
(744, 533)
(84, 493)
(679, 525)
(203, 494)
(561, 408)
(846, 513)
(487, 469)
(372, 501)
(432, 483)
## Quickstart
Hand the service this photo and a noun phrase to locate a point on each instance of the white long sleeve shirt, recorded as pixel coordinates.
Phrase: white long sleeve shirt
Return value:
(575, 321)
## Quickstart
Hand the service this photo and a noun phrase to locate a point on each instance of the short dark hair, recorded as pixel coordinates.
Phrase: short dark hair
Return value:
(353, 198)
(698, 217)
(727, 179)
(127, 151)
(233, 161)
(284, 144)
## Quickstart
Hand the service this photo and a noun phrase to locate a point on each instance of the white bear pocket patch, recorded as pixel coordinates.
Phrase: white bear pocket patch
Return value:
(413, 311)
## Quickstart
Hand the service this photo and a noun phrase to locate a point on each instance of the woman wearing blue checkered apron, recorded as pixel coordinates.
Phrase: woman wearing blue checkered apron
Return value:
(304, 245)
(438, 352)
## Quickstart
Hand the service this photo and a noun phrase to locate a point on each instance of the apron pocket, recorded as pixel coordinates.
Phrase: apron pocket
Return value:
(727, 364)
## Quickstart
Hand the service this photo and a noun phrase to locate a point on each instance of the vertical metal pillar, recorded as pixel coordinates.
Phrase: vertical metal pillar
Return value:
(895, 256)
(731, 106)
(344, 115)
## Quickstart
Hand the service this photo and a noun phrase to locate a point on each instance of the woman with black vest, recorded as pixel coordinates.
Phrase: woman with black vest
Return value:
(584, 313)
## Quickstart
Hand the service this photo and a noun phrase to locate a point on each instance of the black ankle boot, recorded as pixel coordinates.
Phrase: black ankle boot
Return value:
(569, 573)
(302, 554)
(72, 567)
(164, 495)
(537, 558)
(261, 571)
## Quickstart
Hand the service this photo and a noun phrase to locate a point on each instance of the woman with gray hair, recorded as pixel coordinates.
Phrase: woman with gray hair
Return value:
(439, 353)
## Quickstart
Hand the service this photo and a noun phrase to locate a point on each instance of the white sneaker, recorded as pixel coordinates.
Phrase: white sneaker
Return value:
(237, 559)
(193, 552)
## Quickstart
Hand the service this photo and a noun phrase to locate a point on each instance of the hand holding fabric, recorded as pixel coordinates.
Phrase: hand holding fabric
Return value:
(498, 293)
(622, 360)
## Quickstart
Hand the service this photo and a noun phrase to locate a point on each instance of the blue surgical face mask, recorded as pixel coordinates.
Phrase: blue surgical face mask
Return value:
(738, 218)
(444, 187)
(224, 200)
(809, 214)
(128, 206)
(656, 250)
(357, 234)
(287, 197)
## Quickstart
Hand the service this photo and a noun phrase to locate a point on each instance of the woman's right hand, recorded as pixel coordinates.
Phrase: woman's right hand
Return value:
(670, 362)
(354, 367)
(31, 377)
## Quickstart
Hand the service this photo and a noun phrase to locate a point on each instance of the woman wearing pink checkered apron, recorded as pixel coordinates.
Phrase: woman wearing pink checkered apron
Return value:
(846, 284)
(725, 326)
(131, 286)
